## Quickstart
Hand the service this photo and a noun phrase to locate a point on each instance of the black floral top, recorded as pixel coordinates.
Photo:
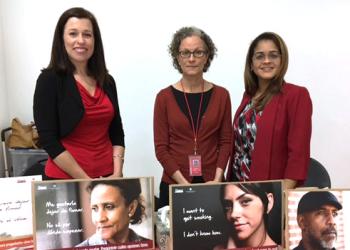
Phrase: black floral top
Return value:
(244, 130)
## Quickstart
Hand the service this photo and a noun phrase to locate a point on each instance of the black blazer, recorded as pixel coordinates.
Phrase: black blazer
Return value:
(58, 108)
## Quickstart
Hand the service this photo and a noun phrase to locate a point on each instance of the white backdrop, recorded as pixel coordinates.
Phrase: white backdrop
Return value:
(136, 35)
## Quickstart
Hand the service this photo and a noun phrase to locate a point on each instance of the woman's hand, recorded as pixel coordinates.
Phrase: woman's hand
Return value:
(114, 176)
(219, 174)
(68, 164)
(213, 182)
(179, 178)
(289, 184)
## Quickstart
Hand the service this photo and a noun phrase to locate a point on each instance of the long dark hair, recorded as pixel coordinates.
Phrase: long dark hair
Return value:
(272, 219)
(60, 61)
(251, 82)
(130, 189)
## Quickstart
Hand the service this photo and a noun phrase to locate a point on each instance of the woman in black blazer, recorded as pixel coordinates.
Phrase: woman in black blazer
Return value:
(76, 106)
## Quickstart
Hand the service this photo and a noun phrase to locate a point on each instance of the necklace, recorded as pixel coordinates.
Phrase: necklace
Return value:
(194, 129)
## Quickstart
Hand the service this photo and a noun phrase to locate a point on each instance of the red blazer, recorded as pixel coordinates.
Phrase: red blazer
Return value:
(282, 145)
(173, 136)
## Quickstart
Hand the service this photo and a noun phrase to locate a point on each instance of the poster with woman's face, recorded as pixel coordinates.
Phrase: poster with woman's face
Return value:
(227, 215)
(94, 214)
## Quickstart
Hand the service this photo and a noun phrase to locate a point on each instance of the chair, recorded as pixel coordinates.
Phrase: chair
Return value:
(36, 169)
(317, 175)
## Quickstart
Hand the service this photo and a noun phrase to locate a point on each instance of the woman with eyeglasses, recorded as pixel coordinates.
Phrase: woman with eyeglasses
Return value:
(272, 125)
(192, 117)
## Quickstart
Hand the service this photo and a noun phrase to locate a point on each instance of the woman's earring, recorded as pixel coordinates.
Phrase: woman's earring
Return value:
(130, 215)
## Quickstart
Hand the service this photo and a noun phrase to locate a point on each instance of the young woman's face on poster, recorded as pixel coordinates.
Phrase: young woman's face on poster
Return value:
(245, 211)
(110, 213)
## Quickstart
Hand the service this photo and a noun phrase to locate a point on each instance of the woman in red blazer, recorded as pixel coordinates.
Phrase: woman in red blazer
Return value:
(272, 125)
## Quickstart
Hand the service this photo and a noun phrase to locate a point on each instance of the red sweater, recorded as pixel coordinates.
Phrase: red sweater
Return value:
(173, 135)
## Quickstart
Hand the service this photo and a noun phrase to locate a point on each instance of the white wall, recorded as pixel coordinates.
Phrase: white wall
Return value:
(136, 35)
(3, 90)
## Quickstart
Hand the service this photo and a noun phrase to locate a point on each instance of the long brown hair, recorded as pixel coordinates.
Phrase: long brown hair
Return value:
(251, 82)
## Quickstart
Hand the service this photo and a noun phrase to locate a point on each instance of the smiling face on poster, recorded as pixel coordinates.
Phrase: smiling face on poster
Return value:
(238, 215)
(247, 208)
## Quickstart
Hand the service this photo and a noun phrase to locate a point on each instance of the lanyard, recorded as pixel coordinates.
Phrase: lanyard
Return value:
(195, 130)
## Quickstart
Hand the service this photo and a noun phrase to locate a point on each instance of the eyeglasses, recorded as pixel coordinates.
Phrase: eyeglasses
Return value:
(261, 57)
(196, 53)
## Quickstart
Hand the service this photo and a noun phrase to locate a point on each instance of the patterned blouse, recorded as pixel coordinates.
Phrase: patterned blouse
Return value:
(244, 129)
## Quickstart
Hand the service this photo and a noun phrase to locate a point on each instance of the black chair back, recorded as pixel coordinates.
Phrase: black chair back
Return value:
(317, 175)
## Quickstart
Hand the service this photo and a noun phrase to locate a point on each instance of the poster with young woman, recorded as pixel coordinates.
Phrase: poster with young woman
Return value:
(229, 215)
(94, 214)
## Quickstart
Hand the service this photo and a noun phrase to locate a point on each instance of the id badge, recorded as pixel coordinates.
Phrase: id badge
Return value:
(195, 163)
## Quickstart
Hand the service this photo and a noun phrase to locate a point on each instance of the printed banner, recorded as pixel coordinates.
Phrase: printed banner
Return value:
(319, 215)
(94, 214)
(16, 216)
(245, 215)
